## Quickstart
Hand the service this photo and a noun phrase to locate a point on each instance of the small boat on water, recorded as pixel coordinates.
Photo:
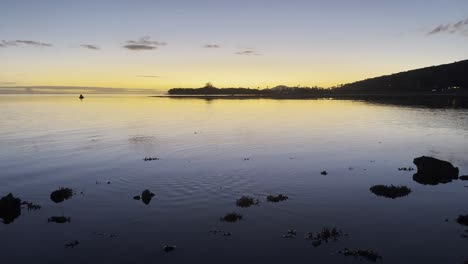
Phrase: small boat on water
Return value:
(81, 97)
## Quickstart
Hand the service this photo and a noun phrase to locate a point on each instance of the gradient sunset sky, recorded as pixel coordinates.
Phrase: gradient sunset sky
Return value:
(254, 43)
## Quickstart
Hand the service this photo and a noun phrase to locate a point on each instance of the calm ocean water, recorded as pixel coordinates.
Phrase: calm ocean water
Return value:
(211, 152)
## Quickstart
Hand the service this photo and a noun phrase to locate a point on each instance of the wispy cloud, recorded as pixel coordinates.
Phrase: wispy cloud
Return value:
(248, 52)
(147, 76)
(144, 43)
(460, 26)
(212, 46)
(90, 46)
(18, 42)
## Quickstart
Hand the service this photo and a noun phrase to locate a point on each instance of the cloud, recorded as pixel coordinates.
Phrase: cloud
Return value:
(147, 76)
(144, 43)
(90, 46)
(460, 26)
(18, 42)
(248, 52)
(212, 46)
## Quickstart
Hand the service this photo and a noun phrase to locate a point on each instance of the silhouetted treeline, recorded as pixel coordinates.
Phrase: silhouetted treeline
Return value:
(278, 90)
(448, 78)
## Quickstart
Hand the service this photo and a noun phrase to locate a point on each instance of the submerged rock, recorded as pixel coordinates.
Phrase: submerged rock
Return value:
(231, 217)
(277, 198)
(325, 235)
(292, 233)
(432, 171)
(150, 158)
(169, 248)
(72, 244)
(463, 220)
(61, 195)
(324, 173)
(59, 219)
(146, 196)
(246, 201)
(390, 191)
(31, 206)
(464, 178)
(365, 254)
(10, 208)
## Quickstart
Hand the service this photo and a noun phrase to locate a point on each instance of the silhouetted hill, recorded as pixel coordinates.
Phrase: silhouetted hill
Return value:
(448, 78)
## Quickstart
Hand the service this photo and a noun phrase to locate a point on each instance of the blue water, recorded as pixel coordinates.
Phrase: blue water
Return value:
(47, 142)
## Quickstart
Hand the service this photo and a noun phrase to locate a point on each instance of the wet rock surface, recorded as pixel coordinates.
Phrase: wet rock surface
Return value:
(146, 196)
(432, 171)
(277, 198)
(61, 195)
(169, 248)
(324, 236)
(246, 201)
(390, 191)
(10, 208)
(72, 244)
(231, 217)
(463, 220)
(366, 254)
(59, 219)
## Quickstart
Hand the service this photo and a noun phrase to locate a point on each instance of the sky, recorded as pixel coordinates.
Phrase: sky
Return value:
(159, 45)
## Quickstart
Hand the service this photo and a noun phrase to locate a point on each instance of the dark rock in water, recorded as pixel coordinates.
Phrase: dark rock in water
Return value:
(290, 234)
(432, 171)
(72, 244)
(231, 217)
(59, 219)
(150, 158)
(31, 206)
(277, 198)
(136, 197)
(464, 178)
(146, 196)
(10, 208)
(463, 220)
(365, 254)
(324, 236)
(169, 248)
(324, 173)
(61, 195)
(390, 191)
(246, 201)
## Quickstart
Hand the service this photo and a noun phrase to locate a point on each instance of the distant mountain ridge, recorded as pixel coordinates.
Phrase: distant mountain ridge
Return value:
(447, 78)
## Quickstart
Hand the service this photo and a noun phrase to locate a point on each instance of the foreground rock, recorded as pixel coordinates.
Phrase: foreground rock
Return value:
(145, 196)
(324, 236)
(169, 248)
(432, 171)
(10, 208)
(61, 195)
(365, 254)
(231, 217)
(390, 191)
(59, 219)
(463, 220)
(277, 198)
(246, 201)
